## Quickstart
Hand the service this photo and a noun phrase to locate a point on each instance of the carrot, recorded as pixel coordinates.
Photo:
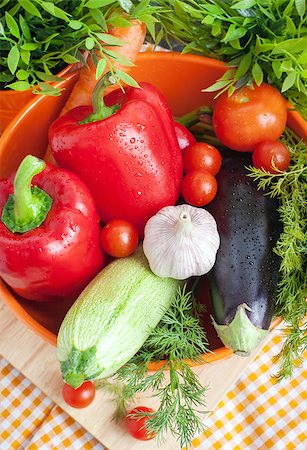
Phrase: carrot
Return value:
(82, 91)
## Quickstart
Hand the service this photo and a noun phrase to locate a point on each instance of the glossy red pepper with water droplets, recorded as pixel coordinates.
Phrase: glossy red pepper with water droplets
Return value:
(130, 159)
(56, 259)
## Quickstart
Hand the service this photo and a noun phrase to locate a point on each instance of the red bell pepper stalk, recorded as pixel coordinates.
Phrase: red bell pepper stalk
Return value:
(126, 152)
(49, 233)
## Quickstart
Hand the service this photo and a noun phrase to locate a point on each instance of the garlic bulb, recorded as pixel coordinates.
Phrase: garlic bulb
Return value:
(181, 242)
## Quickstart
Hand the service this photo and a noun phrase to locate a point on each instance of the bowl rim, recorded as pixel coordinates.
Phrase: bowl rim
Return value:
(6, 295)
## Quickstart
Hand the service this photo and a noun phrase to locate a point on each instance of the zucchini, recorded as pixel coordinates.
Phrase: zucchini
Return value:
(112, 318)
(244, 278)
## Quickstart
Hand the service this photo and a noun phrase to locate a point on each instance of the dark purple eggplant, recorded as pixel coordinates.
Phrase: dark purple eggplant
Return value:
(244, 278)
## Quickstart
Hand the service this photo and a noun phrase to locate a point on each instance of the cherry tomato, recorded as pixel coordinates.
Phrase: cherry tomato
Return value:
(119, 238)
(80, 397)
(184, 136)
(202, 156)
(249, 116)
(137, 426)
(269, 153)
(199, 187)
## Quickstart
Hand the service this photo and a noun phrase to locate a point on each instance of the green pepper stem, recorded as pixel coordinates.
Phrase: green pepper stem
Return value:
(25, 207)
(193, 117)
(100, 110)
(28, 207)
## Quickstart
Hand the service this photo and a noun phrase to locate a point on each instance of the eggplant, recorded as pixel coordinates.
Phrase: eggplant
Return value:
(243, 281)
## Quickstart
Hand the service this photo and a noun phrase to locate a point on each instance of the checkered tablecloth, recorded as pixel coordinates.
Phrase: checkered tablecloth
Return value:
(257, 414)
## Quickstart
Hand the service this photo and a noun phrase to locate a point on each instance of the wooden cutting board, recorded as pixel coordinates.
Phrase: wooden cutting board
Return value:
(36, 359)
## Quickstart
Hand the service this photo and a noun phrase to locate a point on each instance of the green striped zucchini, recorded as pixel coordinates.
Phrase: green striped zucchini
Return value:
(112, 318)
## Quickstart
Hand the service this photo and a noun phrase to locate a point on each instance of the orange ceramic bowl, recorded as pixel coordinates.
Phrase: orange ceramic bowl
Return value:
(181, 79)
(14, 101)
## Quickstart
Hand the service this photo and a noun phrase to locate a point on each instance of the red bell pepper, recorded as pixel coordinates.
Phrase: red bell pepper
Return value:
(150, 94)
(49, 233)
(127, 153)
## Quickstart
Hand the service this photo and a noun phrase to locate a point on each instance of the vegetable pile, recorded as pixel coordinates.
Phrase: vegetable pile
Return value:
(136, 214)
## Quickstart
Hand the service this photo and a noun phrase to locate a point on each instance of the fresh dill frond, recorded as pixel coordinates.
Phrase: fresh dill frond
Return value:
(182, 400)
(179, 333)
(290, 188)
(178, 336)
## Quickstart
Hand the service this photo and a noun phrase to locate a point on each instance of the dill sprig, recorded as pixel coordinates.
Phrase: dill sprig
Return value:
(290, 187)
(178, 336)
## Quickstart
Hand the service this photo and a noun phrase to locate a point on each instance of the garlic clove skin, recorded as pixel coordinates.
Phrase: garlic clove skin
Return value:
(181, 242)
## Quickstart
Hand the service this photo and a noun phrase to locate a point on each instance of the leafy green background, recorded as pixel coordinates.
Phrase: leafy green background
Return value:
(259, 39)
(38, 38)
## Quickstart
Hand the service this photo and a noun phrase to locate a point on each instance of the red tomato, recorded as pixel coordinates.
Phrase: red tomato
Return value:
(199, 187)
(80, 397)
(269, 153)
(137, 426)
(249, 116)
(119, 238)
(184, 136)
(202, 156)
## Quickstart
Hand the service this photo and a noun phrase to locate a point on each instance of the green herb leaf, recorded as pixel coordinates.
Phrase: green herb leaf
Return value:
(69, 59)
(220, 84)
(29, 46)
(19, 85)
(288, 81)
(28, 6)
(12, 25)
(99, 18)
(55, 11)
(150, 23)
(13, 59)
(300, 7)
(47, 77)
(127, 5)
(291, 45)
(118, 21)
(109, 39)
(2, 32)
(24, 28)
(22, 74)
(234, 33)
(75, 24)
(25, 56)
(101, 66)
(257, 73)
(93, 4)
(89, 43)
(116, 56)
(126, 78)
(244, 66)
(244, 4)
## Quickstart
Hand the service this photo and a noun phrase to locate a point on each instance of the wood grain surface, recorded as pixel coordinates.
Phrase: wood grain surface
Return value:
(36, 359)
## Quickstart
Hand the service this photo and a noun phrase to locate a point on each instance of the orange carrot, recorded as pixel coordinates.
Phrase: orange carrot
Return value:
(83, 89)
(81, 94)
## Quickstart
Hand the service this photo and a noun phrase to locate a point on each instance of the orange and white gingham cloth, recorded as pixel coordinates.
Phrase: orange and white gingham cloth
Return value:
(256, 414)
